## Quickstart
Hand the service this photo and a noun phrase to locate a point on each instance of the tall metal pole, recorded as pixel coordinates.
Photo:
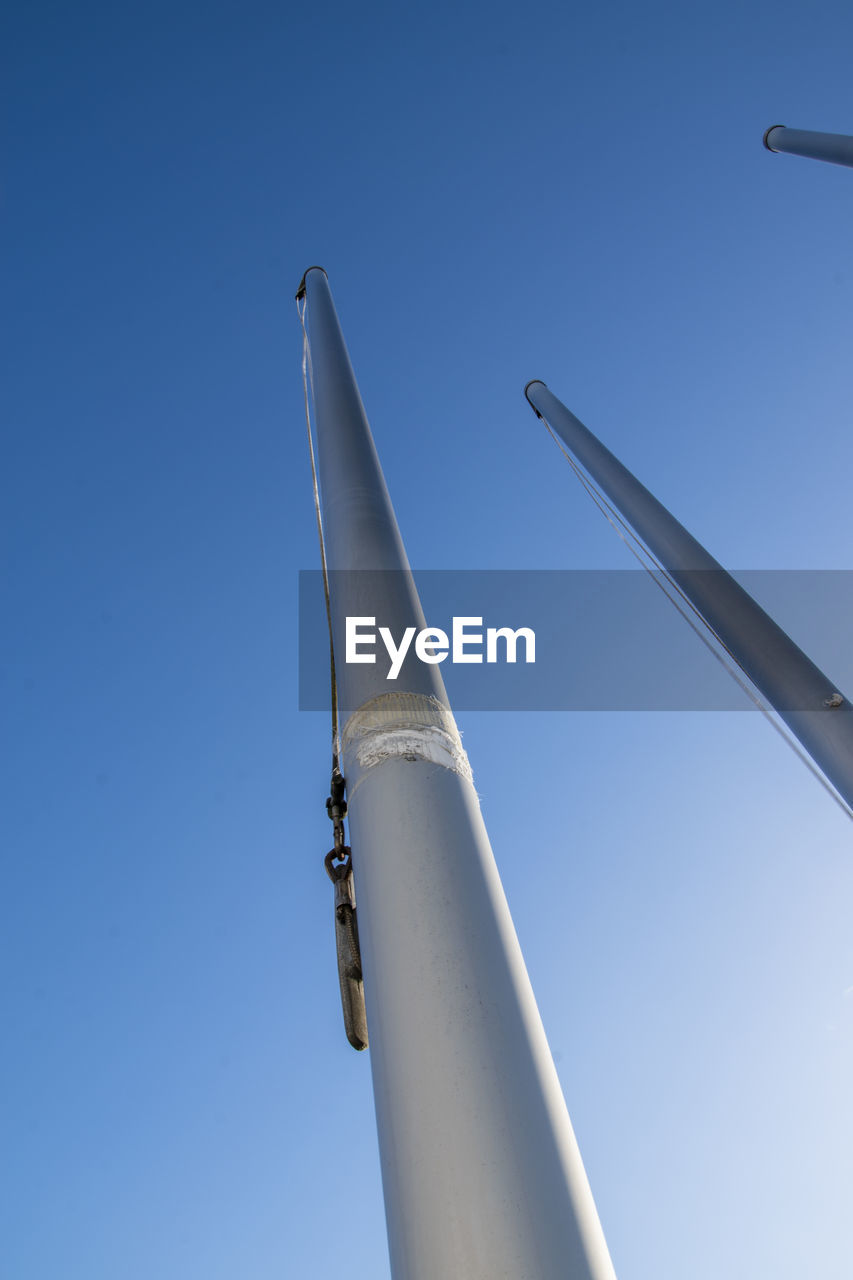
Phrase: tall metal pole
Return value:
(812, 707)
(837, 148)
(481, 1171)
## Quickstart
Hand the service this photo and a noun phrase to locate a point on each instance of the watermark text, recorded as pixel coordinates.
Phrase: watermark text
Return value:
(432, 645)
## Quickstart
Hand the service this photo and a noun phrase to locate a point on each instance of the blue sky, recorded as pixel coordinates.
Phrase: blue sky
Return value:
(529, 191)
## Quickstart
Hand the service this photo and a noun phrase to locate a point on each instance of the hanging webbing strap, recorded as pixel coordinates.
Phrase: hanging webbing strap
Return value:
(348, 950)
(338, 860)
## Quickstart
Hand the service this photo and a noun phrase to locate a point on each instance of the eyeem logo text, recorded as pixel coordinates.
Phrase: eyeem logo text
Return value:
(433, 645)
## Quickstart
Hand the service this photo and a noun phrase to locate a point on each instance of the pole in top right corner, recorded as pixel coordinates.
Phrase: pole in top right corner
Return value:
(835, 148)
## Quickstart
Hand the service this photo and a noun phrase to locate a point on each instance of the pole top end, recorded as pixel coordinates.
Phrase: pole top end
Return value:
(527, 397)
(300, 292)
(766, 138)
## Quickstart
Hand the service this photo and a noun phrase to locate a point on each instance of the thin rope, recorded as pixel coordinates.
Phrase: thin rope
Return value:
(702, 628)
(306, 366)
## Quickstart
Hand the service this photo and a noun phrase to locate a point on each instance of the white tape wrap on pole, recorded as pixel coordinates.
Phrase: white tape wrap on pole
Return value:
(401, 726)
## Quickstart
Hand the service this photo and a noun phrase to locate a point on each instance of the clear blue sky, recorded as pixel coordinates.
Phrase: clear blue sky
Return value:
(498, 194)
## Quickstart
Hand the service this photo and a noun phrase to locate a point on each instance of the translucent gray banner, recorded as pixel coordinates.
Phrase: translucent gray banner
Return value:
(603, 640)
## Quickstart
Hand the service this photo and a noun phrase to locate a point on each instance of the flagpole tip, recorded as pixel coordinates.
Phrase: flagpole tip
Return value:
(300, 292)
(527, 397)
(766, 138)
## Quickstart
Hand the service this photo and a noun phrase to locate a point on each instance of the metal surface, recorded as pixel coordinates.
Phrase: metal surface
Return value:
(481, 1172)
(836, 148)
(803, 696)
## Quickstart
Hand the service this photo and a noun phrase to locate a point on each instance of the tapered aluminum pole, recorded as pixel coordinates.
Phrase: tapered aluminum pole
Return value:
(809, 703)
(837, 148)
(481, 1172)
